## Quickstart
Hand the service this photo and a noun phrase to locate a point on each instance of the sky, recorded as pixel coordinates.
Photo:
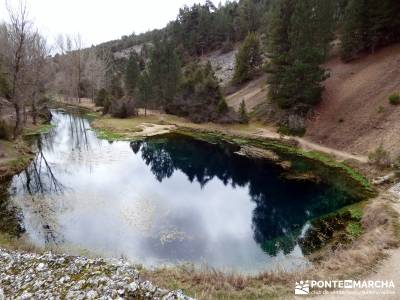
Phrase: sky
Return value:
(99, 20)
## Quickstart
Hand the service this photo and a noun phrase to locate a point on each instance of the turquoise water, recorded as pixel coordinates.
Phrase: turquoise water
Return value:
(162, 201)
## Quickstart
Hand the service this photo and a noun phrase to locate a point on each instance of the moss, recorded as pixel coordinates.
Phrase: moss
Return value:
(329, 231)
(354, 229)
(39, 129)
(323, 165)
(108, 135)
(292, 132)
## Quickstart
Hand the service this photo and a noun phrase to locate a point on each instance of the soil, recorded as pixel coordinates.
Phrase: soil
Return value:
(355, 114)
(253, 93)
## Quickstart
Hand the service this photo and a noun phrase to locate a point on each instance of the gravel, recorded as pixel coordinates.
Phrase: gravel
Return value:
(52, 276)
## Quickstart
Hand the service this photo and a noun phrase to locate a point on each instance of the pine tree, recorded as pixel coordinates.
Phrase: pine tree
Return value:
(116, 90)
(164, 71)
(297, 48)
(101, 97)
(132, 73)
(248, 59)
(369, 24)
(244, 118)
(249, 16)
(144, 90)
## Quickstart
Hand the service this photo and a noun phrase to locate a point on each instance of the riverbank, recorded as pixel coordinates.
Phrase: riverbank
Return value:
(16, 155)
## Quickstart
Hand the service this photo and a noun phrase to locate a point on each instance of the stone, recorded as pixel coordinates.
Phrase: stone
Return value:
(41, 267)
(91, 295)
(34, 276)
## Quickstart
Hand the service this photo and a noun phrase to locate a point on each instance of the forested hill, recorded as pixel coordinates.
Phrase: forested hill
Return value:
(201, 28)
(289, 40)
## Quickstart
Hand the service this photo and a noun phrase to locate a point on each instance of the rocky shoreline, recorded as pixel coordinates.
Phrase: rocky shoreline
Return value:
(52, 276)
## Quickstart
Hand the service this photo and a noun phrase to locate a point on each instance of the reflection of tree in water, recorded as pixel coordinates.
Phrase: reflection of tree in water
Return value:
(39, 184)
(78, 133)
(282, 206)
(39, 177)
(10, 216)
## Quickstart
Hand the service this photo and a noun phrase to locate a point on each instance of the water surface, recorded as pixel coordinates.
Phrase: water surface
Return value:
(162, 201)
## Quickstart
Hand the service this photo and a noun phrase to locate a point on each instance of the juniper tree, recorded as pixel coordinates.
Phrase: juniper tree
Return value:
(244, 118)
(248, 59)
(164, 71)
(132, 73)
(144, 90)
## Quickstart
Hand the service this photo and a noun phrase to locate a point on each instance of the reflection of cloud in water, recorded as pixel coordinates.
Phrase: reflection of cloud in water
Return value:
(167, 201)
(139, 214)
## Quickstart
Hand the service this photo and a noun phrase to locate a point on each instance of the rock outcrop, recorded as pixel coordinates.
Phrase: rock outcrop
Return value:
(51, 276)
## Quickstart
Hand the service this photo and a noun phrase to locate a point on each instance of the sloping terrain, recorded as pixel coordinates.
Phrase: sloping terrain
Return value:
(253, 93)
(223, 64)
(355, 114)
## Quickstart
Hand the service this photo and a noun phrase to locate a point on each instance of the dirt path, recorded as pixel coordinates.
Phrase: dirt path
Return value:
(307, 145)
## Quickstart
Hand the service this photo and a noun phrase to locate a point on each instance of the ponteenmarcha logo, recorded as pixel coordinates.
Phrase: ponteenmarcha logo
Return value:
(302, 288)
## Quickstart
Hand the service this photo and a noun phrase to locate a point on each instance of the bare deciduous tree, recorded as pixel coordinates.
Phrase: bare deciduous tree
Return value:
(18, 31)
(79, 69)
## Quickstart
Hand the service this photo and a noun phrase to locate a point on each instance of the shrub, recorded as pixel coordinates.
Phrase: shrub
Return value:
(380, 158)
(397, 167)
(244, 117)
(248, 59)
(292, 124)
(222, 107)
(101, 97)
(122, 108)
(394, 99)
(200, 98)
(5, 130)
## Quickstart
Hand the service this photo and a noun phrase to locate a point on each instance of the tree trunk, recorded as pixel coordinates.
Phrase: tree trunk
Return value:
(17, 128)
(25, 116)
(34, 111)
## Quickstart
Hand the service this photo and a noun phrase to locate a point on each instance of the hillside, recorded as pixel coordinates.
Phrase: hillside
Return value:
(355, 114)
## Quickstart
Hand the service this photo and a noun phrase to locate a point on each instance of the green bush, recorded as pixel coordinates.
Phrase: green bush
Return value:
(394, 99)
(244, 117)
(101, 98)
(248, 59)
(380, 158)
(286, 130)
(222, 106)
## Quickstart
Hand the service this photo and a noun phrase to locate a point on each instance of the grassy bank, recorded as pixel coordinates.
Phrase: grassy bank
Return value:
(17, 154)
(16, 157)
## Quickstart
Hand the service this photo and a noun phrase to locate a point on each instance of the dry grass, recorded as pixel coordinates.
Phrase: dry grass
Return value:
(18, 244)
(208, 283)
(380, 233)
